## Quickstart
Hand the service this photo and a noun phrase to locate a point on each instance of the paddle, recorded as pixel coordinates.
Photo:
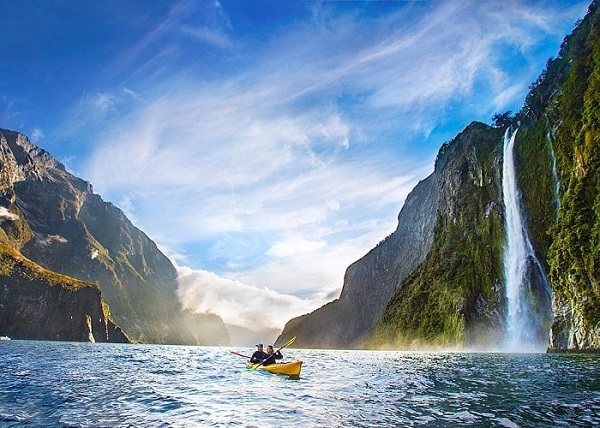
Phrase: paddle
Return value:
(241, 355)
(289, 342)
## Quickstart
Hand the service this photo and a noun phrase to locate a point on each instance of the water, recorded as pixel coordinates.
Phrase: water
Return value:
(97, 384)
(527, 290)
(555, 178)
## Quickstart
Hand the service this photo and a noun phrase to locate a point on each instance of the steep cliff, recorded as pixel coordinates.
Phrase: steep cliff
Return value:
(38, 304)
(456, 295)
(54, 219)
(559, 156)
(370, 282)
(453, 294)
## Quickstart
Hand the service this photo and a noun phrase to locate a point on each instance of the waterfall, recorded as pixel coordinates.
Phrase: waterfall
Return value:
(554, 175)
(527, 291)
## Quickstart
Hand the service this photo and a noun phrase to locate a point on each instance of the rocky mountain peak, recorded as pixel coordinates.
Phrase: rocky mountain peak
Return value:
(21, 159)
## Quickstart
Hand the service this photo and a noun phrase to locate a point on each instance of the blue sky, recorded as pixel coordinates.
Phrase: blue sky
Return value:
(264, 145)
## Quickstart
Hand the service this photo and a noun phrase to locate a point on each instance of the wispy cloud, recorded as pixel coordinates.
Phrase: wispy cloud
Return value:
(272, 174)
(104, 101)
(37, 135)
(52, 239)
(208, 35)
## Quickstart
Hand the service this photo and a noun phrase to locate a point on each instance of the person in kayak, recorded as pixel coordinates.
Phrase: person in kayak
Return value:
(259, 355)
(272, 356)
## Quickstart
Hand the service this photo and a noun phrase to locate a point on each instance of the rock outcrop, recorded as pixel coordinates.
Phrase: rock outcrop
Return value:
(42, 305)
(571, 121)
(456, 296)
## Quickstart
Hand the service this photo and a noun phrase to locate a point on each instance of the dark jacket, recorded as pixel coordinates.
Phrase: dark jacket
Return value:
(258, 356)
(270, 359)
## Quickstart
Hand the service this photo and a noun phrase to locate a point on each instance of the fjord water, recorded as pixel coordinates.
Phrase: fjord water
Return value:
(93, 384)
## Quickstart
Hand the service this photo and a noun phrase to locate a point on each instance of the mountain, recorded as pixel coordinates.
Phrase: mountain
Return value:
(456, 294)
(370, 282)
(39, 304)
(54, 220)
(451, 291)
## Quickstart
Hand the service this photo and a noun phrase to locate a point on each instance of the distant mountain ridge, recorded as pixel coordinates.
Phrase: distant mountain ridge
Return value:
(55, 220)
(452, 292)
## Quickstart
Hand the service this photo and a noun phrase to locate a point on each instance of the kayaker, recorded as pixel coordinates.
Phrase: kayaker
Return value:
(272, 356)
(259, 355)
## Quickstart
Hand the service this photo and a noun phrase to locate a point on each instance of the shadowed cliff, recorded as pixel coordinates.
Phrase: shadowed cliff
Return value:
(37, 304)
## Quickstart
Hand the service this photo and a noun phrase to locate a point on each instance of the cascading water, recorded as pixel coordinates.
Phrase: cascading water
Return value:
(554, 175)
(527, 291)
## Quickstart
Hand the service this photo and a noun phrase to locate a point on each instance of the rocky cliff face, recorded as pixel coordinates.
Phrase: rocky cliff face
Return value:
(456, 296)
(371, 281)
(570, 121)
(38, 304)
(451, 293)
(55, 220)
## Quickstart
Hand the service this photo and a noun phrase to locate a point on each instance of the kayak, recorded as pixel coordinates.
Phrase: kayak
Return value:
(291, 368)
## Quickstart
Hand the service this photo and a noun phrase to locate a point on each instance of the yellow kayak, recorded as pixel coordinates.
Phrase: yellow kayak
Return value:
(291, 368)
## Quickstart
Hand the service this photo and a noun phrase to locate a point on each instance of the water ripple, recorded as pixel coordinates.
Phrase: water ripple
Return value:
(91, 385)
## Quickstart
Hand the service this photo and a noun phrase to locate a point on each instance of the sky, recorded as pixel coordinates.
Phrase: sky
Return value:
(265, 145)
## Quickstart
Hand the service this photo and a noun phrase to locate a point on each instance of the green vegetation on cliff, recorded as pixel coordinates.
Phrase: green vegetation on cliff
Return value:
(574, 255)
(457, 295)
(12, 262)
(36, 303)
(559, 129)
(450, 298)
(533, 159)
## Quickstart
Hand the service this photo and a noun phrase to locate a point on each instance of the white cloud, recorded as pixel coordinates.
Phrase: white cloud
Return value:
(308, 273)
(52, 239)
(5, 214)
(37, 135)
(294, 246)
(104, 101)
(133, 94)
(235, 302)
